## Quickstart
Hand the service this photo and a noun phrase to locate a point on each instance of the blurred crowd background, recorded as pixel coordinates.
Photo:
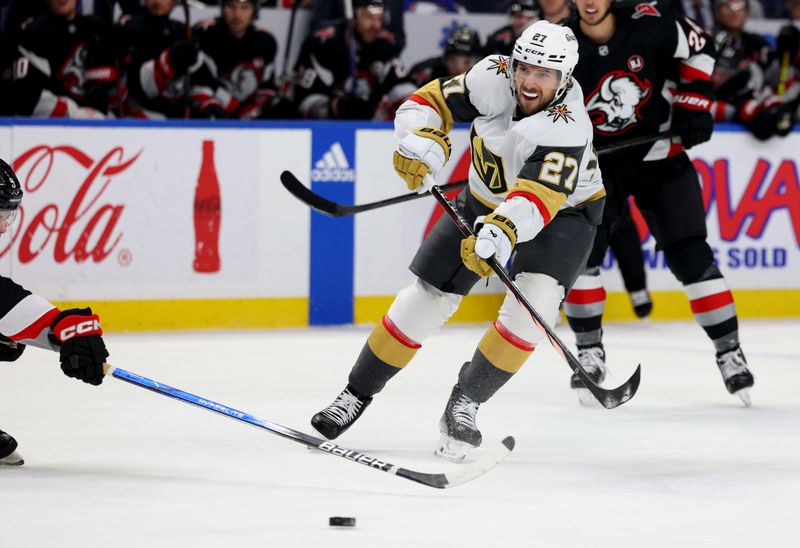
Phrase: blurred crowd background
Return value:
(274, 59)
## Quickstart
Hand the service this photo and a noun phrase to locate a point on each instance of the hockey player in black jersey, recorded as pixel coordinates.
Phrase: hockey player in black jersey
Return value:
(28, 319)
(242, 59)
(462, 50)
(158, 54)
(644, 71)
(325, 86)
(523, 13)
(78, 56)
(742, 73)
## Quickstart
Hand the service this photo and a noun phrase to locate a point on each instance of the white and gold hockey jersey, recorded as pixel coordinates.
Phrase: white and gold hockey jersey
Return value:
(547, 157)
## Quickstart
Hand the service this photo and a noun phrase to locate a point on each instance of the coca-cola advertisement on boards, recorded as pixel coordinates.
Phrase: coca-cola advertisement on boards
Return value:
(84, 229)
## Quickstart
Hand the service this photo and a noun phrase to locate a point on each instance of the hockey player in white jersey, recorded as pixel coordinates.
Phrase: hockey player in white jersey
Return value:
(534, 189)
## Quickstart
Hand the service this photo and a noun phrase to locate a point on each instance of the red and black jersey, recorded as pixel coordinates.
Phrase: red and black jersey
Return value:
(152, 82)
(24, 316)
(323, 70)
(244, 67)
(79, 58)
(501, 41)
(630, 83)
(427, 70)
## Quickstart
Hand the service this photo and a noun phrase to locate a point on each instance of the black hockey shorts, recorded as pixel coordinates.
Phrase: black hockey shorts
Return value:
(667, 192)
(560, 250)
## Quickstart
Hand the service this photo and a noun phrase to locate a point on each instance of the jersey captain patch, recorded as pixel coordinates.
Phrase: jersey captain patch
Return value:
(560, 112)
(499, 65)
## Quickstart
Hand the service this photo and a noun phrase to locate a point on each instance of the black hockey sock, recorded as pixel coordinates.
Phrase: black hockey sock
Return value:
(584, 307)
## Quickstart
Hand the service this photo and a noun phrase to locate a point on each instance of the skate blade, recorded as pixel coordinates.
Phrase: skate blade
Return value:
(452, 450)
(744, 394)
(586, 398)
(14, 459)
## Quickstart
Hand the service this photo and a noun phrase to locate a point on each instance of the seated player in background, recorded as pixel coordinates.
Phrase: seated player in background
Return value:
(534, 187)
(68, 62)
(523, 13)
(241, 58)
(326, 86)
(158, 54)
(747, 75)
(28, 319)
(462, 50)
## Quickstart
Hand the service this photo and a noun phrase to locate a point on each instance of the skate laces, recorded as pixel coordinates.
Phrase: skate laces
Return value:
(732, 363)
(344, 408)
(592, 359)
(464, 411)
(638, 298)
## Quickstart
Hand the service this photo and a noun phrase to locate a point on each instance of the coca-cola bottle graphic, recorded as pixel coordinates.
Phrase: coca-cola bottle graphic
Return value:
(207, 214)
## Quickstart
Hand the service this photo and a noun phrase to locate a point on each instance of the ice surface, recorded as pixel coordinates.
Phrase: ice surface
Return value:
(683, 464)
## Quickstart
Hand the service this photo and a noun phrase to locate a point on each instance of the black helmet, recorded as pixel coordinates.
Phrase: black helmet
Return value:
(525, 5)
(463, 39)
(10, 189)
(254, 2)
(368, 4)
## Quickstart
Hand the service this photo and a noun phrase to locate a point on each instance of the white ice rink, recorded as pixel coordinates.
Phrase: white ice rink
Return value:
(683, 464)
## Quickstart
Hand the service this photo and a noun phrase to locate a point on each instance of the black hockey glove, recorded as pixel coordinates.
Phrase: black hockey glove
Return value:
(83, 352)
(9, 350)
(693, 126)
(182, 55)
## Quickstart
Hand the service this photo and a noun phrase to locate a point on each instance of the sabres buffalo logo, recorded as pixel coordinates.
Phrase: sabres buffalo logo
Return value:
(615, 103)
(645, 8)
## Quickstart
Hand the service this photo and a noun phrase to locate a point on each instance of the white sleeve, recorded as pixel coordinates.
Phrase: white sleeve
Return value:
(412, 115)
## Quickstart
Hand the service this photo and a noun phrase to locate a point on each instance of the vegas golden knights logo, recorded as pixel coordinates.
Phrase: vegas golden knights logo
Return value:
(488, 165)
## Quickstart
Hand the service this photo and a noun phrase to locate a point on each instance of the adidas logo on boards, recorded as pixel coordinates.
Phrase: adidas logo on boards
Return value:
(333, 167)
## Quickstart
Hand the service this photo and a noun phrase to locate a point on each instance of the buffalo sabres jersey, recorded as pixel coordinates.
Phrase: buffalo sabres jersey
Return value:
(548, 156)
(652, 61)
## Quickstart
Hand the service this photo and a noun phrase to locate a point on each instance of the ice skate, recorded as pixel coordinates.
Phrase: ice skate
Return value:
(738, 379)
(332, 421)
(8, 451)
(593, 360)
(459, 433)
(642, 303)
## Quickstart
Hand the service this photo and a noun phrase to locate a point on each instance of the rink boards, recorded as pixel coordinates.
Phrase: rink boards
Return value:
(109, 219)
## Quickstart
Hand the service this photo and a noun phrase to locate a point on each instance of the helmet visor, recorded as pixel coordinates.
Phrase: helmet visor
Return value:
(7, 218)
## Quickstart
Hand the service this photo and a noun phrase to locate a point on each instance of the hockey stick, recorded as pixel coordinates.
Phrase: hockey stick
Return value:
(351, 45)
(440, 481)
(333, 209)
(288, 74)
(607, 398)
(786, 50)
(187, 78)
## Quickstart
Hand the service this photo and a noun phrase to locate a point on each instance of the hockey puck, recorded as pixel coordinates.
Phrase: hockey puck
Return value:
(337, 521)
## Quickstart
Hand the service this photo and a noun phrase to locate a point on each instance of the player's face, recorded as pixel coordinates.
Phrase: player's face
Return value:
(593, 12)
(459, 63)
(535, 86)
(521, 20)
(63, 8)
(7, 219)
(159, 8)
(238, 16)
(369, 23)
(732, 15)
(552, 7)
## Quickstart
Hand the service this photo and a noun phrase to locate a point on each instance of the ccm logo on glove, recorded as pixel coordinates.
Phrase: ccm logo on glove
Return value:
(74, 326)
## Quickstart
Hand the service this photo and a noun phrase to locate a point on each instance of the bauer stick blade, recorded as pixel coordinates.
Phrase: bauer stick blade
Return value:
(461, 475)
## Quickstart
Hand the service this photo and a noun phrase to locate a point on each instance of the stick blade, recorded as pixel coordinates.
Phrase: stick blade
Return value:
(616, 397)
(464, 473)
(312, 200)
